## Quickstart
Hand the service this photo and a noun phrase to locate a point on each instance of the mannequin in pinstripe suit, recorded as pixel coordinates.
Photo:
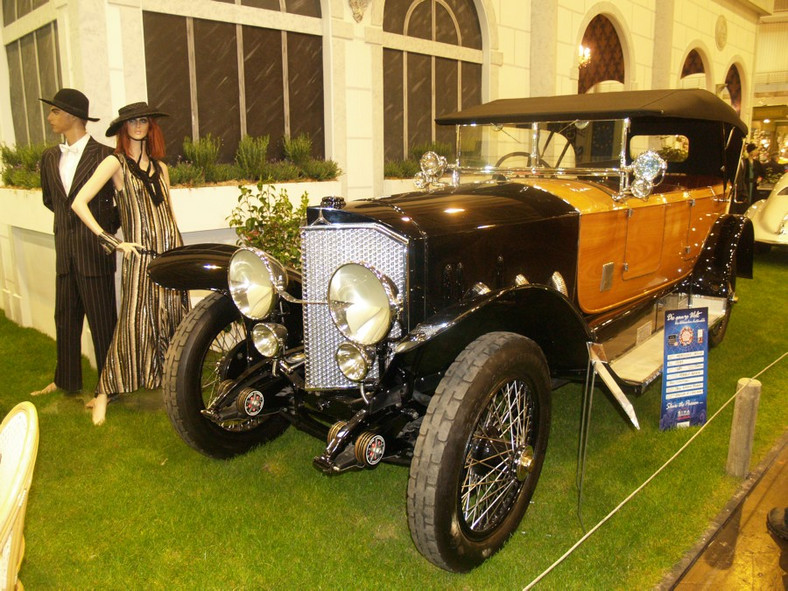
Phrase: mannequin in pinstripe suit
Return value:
(85, 284)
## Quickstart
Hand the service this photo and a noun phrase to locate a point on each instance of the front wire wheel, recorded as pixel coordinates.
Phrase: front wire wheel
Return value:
(480, 451)
(209, 347)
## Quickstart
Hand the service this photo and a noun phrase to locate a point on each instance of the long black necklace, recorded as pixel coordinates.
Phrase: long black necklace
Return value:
(149, 180)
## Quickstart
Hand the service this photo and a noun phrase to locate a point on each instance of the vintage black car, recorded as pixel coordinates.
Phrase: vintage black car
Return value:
(428, 329)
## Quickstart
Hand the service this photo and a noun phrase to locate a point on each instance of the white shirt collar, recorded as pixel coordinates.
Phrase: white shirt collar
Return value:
(79, 146)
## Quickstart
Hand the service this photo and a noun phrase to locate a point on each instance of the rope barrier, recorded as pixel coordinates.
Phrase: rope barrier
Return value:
(607, 517)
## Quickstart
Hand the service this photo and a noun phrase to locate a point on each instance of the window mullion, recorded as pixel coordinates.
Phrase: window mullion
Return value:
(285, 84)
(405, 121)
(24, 92)
(192, 78)
(239, 51)
(38, 82)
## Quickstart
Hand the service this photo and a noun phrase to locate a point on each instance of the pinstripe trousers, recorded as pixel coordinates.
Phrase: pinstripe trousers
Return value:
(77, 296)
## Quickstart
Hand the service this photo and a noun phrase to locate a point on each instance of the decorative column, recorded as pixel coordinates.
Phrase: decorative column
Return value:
(544, 24)
(662, 66)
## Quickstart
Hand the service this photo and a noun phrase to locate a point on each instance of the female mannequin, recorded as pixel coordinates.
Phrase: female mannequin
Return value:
(149, 314)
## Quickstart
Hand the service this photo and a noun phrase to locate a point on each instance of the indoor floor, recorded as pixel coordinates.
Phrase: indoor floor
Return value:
(739, 552)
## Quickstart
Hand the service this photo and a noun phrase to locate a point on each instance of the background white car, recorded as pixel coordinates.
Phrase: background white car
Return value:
(770, 216)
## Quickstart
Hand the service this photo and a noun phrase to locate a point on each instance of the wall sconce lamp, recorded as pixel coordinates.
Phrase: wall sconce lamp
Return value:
(583, 55)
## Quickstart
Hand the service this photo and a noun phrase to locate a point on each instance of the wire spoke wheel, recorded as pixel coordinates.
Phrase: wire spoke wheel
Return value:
(207, 349)
(225, 359)
(213, 369)
(479, 452)
(498, 458)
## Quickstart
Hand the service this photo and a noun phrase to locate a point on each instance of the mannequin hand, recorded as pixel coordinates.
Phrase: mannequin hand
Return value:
(132, 247)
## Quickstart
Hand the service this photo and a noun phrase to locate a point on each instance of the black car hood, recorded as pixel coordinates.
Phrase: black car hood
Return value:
(452, 211)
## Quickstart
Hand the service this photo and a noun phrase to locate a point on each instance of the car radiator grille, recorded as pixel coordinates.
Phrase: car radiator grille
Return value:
(323, 249)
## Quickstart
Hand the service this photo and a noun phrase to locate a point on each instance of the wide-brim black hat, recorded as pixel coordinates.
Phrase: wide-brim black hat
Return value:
(133, 111)
(71, 101)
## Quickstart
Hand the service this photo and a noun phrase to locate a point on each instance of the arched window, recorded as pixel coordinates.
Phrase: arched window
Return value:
(692, 65)
(693, 72)
(232, 79)
(601, 56)
(431, 66)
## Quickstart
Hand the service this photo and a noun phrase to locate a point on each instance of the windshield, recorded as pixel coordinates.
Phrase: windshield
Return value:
(552, 145)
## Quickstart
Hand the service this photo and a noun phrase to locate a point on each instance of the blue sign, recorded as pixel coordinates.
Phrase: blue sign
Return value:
(685, 368)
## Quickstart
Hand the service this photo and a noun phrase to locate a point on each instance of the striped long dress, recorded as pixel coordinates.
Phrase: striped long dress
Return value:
(149, 313)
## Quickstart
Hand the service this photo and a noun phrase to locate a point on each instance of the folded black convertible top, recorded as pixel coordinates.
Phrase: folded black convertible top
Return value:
(673, 103)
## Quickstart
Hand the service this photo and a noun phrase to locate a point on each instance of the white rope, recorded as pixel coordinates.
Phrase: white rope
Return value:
(650, 478)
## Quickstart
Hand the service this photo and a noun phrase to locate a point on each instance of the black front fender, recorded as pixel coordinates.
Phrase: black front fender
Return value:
(197, 266)
(537, 312)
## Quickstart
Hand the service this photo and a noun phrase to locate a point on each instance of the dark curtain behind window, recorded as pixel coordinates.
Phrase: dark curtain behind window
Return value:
(216, 56)
(265, 110)
(34, 72)
(305, 72)
(216, 78)
(167, 70)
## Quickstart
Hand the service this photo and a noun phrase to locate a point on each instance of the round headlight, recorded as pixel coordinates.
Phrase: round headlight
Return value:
(362, 303)
(269, 339)
(353, 362)
(432, 165)
(649, 165)
(254, 279)
(641, 188)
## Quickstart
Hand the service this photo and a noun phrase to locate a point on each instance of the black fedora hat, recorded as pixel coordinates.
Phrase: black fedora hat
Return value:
(133, 111)
(71, 101)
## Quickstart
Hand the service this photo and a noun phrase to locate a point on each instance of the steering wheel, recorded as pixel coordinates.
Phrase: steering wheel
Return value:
(522, 154)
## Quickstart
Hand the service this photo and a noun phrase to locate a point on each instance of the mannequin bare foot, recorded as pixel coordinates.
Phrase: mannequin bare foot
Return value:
(45, 390)
(99, 409)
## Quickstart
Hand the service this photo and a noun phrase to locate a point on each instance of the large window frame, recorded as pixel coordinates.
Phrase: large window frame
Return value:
(234, 22)
(34, 72)
(408, 47)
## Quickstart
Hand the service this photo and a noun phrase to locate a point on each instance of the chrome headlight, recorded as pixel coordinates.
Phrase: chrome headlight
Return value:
(649, 165)
(362, 303)
(254, 279)
(353, 361)
(269, 339)
(433, 166)
(641, 188)
(646, 168)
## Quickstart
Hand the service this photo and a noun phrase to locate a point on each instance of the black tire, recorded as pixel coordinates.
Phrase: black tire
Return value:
(451, 521)
(204, 351)
(717, 334)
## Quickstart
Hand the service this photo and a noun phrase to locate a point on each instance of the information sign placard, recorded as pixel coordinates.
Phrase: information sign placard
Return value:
(685, 368)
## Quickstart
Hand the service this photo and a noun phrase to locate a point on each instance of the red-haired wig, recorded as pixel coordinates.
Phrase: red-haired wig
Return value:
(154, 142)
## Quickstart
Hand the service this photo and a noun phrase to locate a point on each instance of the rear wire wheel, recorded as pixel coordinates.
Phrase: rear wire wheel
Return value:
(480, 451)
(717, 334)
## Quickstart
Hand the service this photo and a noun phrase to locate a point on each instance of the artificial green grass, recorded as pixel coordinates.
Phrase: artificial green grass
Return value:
(129, 506)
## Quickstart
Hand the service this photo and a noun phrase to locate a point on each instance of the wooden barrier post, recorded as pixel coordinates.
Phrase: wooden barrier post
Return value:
(743, 427)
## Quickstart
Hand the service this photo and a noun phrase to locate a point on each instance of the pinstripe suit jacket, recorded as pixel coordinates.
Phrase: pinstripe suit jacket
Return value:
(74, 242)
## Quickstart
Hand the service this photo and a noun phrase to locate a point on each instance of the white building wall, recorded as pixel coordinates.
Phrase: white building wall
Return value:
(514, 49)
(530, 48)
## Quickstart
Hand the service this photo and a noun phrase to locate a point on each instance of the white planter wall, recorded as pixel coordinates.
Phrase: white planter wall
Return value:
(27, 245)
